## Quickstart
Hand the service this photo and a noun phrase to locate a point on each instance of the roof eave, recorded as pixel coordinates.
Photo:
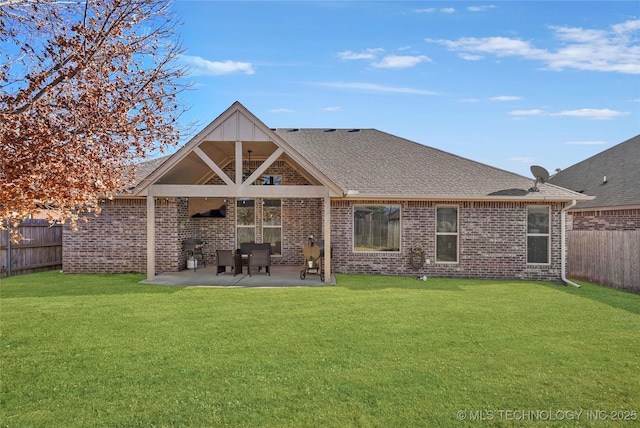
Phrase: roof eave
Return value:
(357, 197)
(605, 208)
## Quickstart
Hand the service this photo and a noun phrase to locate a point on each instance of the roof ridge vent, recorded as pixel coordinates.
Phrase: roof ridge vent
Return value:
(354, 130)
(330, 130)
(293, 130)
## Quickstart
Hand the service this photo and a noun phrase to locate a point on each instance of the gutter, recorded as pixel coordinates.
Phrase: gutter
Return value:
(563, 244)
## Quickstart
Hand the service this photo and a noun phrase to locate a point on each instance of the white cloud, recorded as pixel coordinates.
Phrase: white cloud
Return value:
(434, 10)
(281, 110)
(587, 113)
(373, 87)
(585, 143)
(388, 61)
(505, 98)
(400, 61)
(534, 112)
(332, 108)
(204, 67)
(469, 100)
(470, 57)
(590, 113)
(611, 50)
(499, 46)
(426, 10)
(366, 54)
(480, 8)
(629, 26)
(523, 159)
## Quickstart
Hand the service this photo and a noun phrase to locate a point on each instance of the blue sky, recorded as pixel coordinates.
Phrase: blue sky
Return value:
(507, 83)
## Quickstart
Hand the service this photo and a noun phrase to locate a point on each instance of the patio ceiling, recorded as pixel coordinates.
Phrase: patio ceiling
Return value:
(229, 139)
(193, 169)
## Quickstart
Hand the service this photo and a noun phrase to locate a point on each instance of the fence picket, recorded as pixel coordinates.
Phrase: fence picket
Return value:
(41, 249)
(606, 257)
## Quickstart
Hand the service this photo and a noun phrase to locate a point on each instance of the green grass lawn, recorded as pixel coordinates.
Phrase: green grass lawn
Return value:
(103, 350)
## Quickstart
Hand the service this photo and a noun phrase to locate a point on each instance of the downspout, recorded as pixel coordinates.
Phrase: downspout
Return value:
(563, 244)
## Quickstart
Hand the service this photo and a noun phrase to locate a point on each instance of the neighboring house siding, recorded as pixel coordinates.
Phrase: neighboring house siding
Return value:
(492, 242)
(628, 219)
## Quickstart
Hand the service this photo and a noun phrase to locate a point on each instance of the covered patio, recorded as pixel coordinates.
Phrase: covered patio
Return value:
(281, 276)
(250, 178)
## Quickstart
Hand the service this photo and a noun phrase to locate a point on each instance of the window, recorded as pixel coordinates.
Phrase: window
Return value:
(272, 224)
(272, 180)
(376, 228)
(447, 234)
(245, 221)
(538, 235)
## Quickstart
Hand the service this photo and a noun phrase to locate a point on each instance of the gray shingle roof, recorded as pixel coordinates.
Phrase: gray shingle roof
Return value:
(143, 169)
(620, 164)
(378, 164)
(368, 163)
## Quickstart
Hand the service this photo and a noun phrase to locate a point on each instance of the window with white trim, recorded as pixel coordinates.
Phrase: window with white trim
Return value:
(272, 180)
(272, 224)
(538, 241)
(245, 221)
(447, 234)
(376, 228)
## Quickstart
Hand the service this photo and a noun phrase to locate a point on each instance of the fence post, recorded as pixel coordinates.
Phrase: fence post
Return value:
(8, 249)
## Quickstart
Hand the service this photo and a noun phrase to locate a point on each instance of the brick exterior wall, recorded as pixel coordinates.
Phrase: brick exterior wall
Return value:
(492, 236)
(628, 219)
(300, 217)
(492, 242)
(115, 241)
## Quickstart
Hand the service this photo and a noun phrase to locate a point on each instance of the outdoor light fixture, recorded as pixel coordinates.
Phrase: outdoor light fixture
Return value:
(248, 172)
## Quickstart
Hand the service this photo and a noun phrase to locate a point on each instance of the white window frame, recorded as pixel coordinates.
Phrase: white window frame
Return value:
(254, 226)
(273, 226)
(539, 234)
(456, 234)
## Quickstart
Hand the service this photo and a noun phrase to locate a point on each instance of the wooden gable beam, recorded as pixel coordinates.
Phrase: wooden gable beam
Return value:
(238, 161)
(211, 164)
(263, 167)
(235, 191)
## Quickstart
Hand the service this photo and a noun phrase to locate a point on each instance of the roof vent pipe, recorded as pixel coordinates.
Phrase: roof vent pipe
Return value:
(563, 244)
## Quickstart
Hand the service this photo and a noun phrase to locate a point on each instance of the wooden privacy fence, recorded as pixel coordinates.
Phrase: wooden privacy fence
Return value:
(40, 250)
(606, 257)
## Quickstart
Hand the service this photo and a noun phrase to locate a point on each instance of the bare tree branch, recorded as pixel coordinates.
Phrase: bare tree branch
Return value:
(86, 87)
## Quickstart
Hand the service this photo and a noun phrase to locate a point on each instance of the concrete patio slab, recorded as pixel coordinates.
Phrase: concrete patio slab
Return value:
(281, 276)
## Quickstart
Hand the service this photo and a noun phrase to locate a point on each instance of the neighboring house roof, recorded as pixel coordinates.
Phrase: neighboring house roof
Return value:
(620, 165)
(367, 163)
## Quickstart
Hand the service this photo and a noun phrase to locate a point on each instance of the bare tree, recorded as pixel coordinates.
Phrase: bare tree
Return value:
(87, 88)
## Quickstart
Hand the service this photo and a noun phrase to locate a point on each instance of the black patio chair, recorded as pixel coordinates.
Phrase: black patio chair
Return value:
(226, 258)
(260, 258)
